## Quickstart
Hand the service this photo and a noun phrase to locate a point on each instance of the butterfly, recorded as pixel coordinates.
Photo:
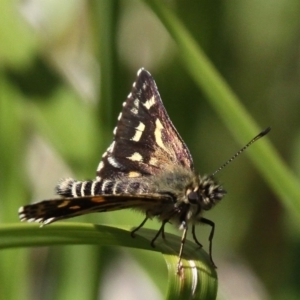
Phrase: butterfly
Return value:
(147, 167)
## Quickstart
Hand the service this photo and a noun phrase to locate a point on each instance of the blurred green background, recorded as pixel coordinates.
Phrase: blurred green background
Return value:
(65, 69)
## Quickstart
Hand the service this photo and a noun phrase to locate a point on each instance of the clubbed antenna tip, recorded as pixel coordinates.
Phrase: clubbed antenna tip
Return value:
(264, 132)
(261, 134)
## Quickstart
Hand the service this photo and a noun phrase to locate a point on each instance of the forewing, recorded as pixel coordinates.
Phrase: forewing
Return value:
(145, 140)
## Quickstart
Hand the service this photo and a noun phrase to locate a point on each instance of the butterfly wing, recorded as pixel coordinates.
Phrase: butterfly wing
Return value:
(145, 144)
(145, 140)
(49, 211)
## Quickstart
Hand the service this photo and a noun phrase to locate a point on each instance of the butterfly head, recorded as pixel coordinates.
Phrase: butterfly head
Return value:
(206, 193)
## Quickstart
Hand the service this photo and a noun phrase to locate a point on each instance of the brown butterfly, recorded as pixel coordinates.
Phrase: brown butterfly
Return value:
(147, 167)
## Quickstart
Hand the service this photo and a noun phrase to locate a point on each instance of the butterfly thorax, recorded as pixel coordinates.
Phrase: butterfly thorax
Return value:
(191, 193)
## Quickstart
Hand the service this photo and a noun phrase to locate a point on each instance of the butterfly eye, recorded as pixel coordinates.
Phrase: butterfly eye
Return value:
(193, 197)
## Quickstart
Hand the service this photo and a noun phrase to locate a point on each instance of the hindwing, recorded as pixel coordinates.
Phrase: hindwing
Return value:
(49, 211)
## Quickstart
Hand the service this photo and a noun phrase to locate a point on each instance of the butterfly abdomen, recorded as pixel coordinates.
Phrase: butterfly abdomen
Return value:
(72, 188)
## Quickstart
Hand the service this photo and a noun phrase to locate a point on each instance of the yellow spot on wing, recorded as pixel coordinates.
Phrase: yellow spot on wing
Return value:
(134, 174)
(98, 199)
(153, 161)
(75, 207)
(158, 135)
(63, 204)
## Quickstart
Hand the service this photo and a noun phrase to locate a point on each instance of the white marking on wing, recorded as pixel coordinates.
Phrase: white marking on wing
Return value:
(113, 162)
(100, 166)
(149, 102)
(134, 111)
(111, 147)
(136, 157)
(138, 132)
(136, 102)
(140, 71)
(48, 221)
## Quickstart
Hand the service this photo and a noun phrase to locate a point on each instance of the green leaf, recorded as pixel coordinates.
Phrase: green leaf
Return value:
(196, 280)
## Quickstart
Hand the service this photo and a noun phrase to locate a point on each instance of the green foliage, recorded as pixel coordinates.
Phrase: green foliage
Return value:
(62, 83)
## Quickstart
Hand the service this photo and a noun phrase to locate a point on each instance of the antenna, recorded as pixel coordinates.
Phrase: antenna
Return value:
(264, 132)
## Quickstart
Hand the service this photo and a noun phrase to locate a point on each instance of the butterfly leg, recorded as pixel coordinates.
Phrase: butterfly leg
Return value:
(210, 238)
(163, 231)
(160, 231)
(139, 227)
(194, 236)
(183, 238)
